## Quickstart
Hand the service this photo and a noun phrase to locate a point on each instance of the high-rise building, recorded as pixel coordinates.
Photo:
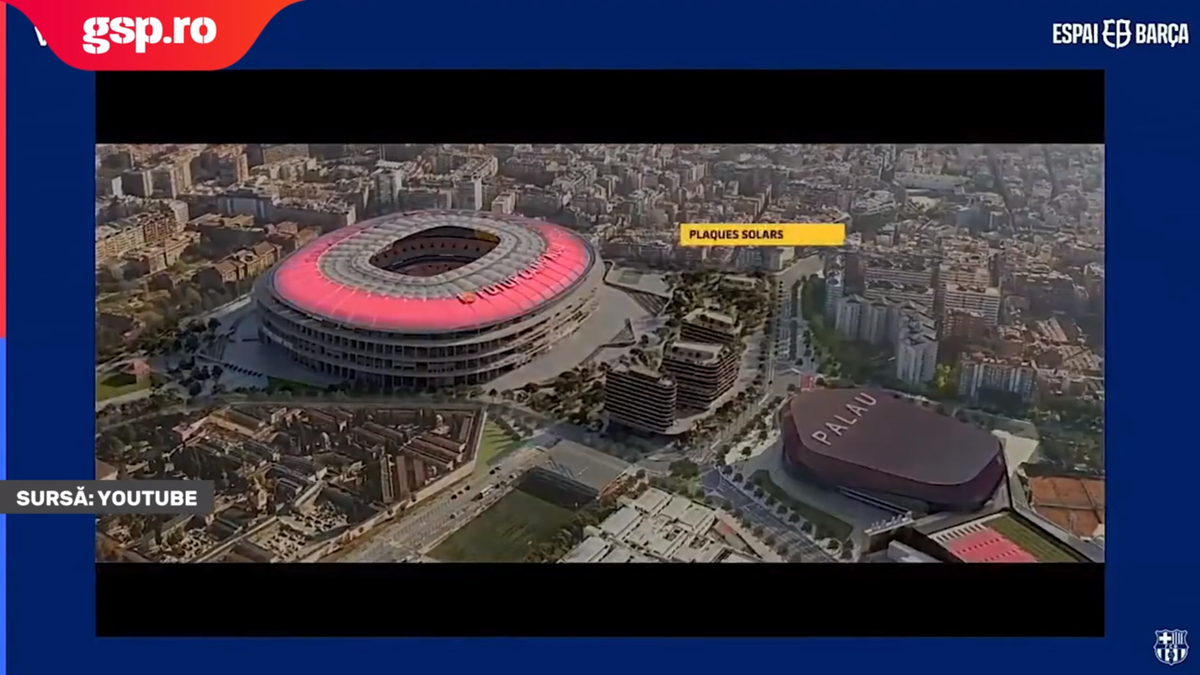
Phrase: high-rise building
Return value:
(137, 183)
(873, 322)
(702, 372)
(775, 258)
(468, 195)
(504, 203)
(982, 299)
(705, 325)
(835, 289)
(966, 324)
(847, 315)
(640, 398)
(916, 350)
(984, 373)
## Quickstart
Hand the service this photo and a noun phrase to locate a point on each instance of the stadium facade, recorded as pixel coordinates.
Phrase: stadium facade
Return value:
(890, 448)
(429, 299)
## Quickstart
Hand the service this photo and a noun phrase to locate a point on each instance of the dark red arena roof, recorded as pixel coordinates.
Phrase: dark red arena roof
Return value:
(533, 263)
(872, 440)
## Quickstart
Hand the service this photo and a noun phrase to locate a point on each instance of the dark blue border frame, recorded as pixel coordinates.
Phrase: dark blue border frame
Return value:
(1152, 149)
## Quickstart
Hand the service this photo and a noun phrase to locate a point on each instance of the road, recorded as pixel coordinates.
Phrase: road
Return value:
(220, 313)
(798, 543)
(431, 521)
(789, 339)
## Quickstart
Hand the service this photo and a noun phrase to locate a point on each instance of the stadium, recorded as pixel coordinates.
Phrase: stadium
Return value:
(890, 449)
(428, 299)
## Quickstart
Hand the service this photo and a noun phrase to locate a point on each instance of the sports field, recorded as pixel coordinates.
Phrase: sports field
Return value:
(506, 532)
(1037, 545)
(112, 385)
(494, 445)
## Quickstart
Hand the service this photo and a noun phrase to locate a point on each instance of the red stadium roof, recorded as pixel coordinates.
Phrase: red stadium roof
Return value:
(302, 282)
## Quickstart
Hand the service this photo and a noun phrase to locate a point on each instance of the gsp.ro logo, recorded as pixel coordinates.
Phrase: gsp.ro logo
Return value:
(101, 33)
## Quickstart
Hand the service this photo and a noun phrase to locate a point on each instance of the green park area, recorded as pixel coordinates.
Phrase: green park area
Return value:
(112, 385)
(277, 385)
(1037, 545)
(495, 445)
(830, 525)
(506, 532)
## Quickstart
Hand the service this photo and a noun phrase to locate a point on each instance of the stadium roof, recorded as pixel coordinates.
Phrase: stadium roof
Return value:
(334, 278)
(892, 436)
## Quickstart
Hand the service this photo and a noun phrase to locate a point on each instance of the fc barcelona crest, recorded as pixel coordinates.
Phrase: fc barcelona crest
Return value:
(1170, 646)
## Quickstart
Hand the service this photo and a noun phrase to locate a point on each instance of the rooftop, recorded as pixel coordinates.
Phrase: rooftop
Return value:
(583, 465)
(1075, 504)
(874, 429)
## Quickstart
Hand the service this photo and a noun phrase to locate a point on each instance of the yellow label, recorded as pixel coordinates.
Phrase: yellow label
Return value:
(762, 234)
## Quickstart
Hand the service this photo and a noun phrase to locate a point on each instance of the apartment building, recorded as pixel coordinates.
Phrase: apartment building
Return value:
(702, 372)
(985, 373)
(916, 350)
(705, 325)
(982, 299)
(640, 398)
(114, 242)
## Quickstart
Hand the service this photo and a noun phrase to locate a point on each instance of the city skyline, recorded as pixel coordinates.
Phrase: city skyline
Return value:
(970, 287)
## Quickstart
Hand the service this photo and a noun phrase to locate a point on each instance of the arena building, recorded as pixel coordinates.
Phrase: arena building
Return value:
(891, 449)
(429, 299)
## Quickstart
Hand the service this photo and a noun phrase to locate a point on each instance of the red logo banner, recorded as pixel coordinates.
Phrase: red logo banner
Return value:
(150, 34)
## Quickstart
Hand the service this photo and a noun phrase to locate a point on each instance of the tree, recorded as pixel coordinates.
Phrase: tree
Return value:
(757, 530)
(213, 324)
(684, 468)
(737, 478)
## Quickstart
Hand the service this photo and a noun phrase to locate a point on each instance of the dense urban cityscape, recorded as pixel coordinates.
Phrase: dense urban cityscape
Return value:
(500, 353)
